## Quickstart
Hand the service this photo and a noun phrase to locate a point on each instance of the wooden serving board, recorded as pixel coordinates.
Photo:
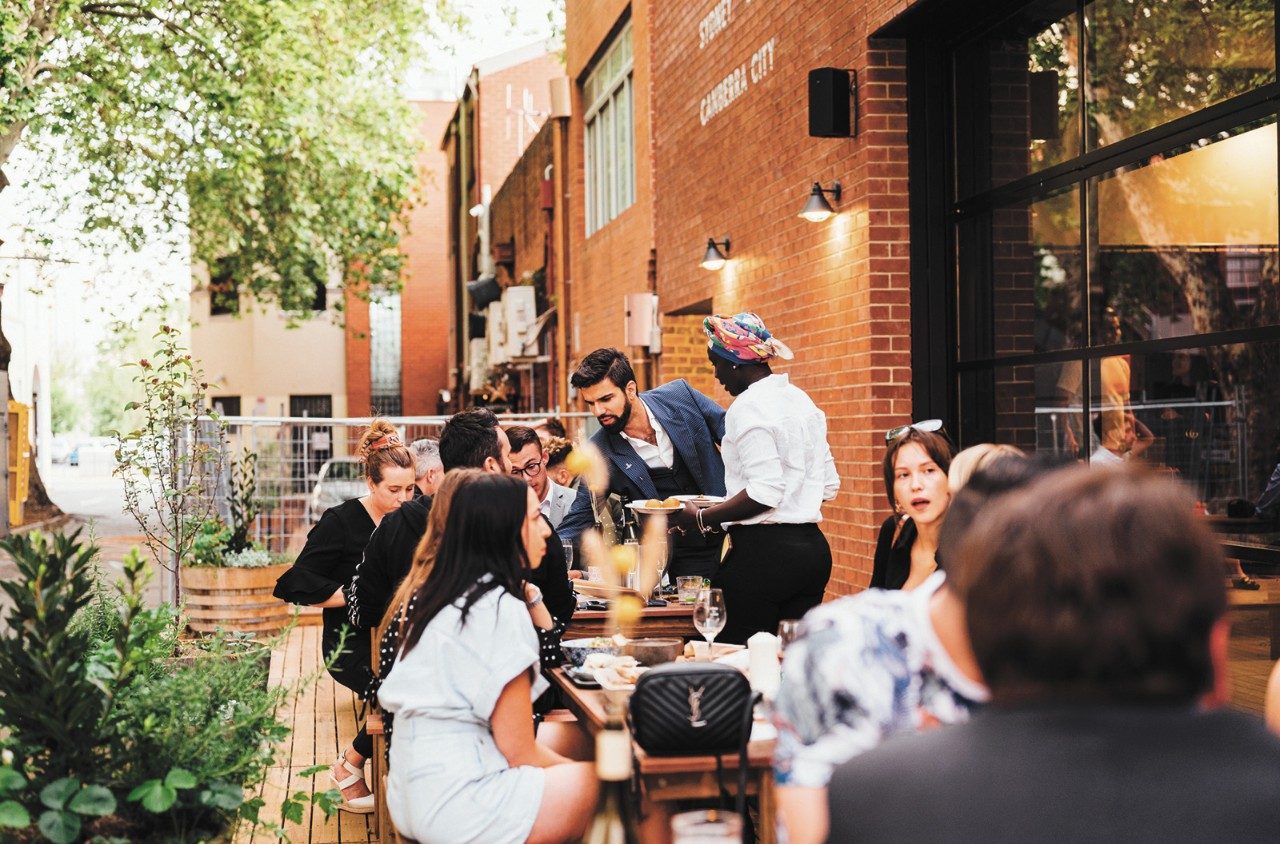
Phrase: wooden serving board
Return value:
(602, 590)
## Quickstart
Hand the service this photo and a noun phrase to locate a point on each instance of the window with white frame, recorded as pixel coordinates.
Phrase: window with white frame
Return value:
(610, 153)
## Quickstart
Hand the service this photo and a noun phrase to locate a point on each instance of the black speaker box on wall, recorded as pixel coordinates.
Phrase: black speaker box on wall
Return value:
(830, 103)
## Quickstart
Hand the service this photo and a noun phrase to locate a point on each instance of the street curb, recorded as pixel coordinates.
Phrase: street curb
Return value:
(46, 526)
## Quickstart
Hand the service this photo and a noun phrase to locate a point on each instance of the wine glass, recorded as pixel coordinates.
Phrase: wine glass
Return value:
(709, 616)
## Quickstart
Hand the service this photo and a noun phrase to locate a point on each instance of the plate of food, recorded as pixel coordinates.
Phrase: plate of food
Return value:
(616, 674)
(654, 506)
(699, 499)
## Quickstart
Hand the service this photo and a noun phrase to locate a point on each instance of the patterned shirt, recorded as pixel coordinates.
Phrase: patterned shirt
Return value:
(863, 669)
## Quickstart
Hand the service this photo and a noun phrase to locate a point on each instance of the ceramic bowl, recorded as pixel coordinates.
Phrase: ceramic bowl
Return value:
(577, 650)
(654, 651)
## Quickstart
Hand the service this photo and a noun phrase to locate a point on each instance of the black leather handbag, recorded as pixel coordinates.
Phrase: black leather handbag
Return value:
(696, 709)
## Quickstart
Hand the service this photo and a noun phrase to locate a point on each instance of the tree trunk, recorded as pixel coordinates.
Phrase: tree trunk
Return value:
(37, 495)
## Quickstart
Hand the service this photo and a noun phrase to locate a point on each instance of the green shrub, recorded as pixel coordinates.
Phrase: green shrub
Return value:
(106, 732)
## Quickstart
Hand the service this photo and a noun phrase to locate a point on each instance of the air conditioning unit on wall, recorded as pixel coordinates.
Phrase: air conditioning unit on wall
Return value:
(640, 325)
(495, 333)
(521, 313)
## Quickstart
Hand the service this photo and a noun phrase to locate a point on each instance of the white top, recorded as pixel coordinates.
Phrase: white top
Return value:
(1103, 456)
(457, 670)
(775, 447)
(660, 456)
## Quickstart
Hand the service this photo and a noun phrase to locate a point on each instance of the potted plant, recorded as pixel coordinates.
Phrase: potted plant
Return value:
(227, 578)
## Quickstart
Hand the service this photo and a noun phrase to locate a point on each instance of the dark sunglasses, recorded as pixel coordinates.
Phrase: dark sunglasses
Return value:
(928, 426)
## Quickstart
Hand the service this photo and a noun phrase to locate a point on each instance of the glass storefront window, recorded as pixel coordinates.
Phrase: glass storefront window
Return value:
(1152, 62)
(1034, 277)
(1186, 243)
(1037, 407)
(1144, 64)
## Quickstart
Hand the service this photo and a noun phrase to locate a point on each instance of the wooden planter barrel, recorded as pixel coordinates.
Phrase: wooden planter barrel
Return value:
(234, 599)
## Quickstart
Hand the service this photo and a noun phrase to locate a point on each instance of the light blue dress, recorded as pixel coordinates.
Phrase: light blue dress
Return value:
(448, 782)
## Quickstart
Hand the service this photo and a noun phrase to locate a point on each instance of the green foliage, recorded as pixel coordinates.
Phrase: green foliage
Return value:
(275, 129)
(242, 501)
(209, 540)
(50, 719)
(171, 462)
(64, 411)
(118, 726)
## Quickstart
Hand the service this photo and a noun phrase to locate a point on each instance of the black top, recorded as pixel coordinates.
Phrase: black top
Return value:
(326, 564)
(892, 563)
(389, 556)
(1067, 773)
(387, 559)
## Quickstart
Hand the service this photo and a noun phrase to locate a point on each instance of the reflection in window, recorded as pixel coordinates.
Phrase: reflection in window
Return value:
(1146, 64)
(384, 355)
(1153, 62)
(1187, 242)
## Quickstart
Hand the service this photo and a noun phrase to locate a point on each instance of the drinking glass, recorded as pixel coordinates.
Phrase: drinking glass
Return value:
(709, 616)
(568, 554)
(706, 826)
(788, 629)
(687, 588)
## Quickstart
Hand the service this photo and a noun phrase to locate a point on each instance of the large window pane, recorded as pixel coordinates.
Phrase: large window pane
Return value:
(1186, 243)
(1206, 414)
(1024, 77)
(1153, 62)
(1028, 260)
(1035, 407)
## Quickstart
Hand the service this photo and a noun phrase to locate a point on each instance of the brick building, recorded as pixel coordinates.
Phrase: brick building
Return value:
(505, 103)
(1007, 237)
(397, 349)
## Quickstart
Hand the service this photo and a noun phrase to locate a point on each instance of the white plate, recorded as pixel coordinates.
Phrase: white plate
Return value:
(611, 681)
(639, 507)
(701, 499)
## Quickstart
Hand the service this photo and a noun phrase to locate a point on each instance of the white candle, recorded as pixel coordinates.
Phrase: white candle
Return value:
(766, 671)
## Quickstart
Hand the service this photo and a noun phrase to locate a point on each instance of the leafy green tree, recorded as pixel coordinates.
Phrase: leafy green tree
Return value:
(274, 130)
(63, 411)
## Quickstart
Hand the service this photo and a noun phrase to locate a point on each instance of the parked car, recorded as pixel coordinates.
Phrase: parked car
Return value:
(60, 448)
(340, 479)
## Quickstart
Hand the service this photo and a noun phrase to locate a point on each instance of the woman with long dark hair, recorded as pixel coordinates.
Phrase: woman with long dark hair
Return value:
(321, 575)
(464, 763)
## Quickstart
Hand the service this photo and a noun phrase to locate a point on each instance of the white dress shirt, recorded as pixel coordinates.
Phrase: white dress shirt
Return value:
(660, 456)
(775, 447)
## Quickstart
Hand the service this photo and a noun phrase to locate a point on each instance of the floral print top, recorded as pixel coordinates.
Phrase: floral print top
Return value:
(863, 669)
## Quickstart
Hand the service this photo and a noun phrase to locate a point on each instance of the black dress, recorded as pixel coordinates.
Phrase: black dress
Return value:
(327, 563)
(892, 565)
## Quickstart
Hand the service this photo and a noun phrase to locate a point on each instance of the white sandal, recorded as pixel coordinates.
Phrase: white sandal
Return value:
(357, 805)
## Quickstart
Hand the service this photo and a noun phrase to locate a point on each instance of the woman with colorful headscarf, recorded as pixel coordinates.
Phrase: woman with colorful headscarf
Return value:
(778, 471)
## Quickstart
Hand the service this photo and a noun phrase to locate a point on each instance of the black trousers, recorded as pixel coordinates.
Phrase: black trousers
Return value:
(353, 672)
(771, 573)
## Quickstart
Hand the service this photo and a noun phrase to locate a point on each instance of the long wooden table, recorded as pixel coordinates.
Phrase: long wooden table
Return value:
(675, 620)
(668, 778)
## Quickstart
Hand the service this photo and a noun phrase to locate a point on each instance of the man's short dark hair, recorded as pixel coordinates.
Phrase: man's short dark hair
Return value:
(601, 364)
(1094, 587)
(468, 438)
(520, 436)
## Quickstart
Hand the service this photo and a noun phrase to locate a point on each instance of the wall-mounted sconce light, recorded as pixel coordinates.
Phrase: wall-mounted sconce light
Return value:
(714, 259)
(817, 209)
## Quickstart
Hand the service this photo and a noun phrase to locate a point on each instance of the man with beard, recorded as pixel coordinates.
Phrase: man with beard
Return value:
(658, 443)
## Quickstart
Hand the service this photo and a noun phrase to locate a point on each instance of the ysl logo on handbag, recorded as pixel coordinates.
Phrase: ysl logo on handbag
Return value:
(695, 707)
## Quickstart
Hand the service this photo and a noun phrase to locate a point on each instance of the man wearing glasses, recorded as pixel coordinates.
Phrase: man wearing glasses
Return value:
(529, 461)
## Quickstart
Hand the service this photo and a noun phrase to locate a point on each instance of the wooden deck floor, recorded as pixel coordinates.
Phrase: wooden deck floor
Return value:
(324, 720)
(1251, 662)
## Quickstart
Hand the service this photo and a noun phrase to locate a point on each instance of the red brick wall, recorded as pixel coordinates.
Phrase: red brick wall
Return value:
(684, 355)
(359, 387)
(516, 212)
(614, 260)
(503, 133)
(837, 292)
(424, 301)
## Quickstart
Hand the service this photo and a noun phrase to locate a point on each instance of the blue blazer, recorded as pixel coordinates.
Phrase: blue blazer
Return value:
(695, 425)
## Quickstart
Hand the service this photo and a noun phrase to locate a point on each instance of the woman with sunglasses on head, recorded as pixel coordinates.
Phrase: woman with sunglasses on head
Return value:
(464, 762)
(915, 480)
(778, 472)
(321, 576)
